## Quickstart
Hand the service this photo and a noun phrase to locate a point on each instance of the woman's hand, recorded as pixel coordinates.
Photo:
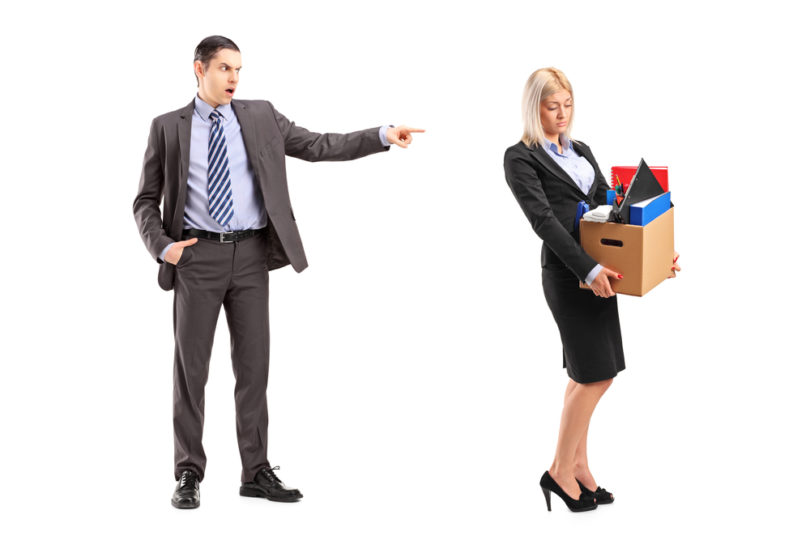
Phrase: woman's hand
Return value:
(601, 285)
(675, 266)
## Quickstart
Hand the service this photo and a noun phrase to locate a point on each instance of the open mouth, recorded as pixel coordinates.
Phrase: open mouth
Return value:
(230, 91)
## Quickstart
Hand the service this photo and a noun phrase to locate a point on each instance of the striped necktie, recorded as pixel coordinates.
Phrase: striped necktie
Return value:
(220, 201)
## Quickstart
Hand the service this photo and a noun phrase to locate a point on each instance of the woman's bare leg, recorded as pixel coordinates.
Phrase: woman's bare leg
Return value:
(582, 471)
(571, 454)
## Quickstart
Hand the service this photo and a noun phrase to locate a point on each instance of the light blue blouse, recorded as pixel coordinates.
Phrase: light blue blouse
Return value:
(577, 167)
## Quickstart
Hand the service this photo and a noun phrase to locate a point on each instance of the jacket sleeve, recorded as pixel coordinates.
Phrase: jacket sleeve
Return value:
(528, 190)
(310, 146)
(150, 191)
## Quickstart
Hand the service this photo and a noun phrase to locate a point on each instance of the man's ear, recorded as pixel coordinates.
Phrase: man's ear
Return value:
(199, 70)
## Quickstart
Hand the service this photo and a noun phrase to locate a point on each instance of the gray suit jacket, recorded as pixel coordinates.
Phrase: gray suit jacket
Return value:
(268, 137)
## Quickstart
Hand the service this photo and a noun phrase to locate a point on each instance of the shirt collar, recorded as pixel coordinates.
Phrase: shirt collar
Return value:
(204, 109)
(551, 147)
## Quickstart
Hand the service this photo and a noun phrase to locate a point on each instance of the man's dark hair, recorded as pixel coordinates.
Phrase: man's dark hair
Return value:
(208, 48)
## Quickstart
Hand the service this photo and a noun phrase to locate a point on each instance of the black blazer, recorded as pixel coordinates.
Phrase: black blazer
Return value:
(549, 197)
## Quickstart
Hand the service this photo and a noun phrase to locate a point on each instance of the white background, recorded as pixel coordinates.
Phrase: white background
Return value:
(416, 381)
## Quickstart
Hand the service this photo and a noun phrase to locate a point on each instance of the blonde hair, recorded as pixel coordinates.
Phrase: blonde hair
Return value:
(541, 84)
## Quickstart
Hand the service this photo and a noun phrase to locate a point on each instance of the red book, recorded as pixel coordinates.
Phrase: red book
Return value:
(626, 174)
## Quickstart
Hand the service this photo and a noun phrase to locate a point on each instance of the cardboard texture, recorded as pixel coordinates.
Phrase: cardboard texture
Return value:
(643, 255)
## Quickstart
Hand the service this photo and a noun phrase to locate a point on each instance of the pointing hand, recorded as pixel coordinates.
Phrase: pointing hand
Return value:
(401, 135)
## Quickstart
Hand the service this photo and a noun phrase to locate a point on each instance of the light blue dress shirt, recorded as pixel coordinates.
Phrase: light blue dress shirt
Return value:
(249, 211)
(581, 172)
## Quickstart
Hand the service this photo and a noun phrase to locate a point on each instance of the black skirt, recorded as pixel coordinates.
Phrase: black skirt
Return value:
(589, 327)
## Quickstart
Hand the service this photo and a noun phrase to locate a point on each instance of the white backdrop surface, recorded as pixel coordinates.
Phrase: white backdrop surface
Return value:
(416, 381)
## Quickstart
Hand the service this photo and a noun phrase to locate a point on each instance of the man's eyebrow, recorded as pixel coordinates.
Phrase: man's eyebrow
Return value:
(227, 65)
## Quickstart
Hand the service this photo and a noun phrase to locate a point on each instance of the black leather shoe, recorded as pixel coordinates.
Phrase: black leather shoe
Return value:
(267, 485)
(601, 495)
(187, 492)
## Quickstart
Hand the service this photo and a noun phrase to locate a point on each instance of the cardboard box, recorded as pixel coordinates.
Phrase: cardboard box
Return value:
(643, 255)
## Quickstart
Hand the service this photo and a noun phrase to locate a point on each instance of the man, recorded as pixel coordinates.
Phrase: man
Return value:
(218, 165)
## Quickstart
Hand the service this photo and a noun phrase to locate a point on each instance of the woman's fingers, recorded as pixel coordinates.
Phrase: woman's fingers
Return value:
(601, 284)
(675, 266)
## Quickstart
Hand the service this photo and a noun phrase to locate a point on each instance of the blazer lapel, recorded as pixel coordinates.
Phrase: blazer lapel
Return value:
(550, 165)
(184, 145)
(597, 176)
(248, 125)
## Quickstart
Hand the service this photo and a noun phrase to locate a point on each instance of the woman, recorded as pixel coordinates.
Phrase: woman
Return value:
(549, 174)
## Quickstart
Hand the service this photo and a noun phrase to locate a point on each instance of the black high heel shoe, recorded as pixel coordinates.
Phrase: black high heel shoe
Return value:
(583, 504)
(601, 495)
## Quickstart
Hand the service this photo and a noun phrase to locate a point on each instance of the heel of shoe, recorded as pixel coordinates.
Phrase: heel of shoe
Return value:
(250, 491)
(548, 498)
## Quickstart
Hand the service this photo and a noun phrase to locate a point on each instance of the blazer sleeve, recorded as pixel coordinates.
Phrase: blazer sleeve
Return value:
(528, 190)
(150, 191)
(310, 146)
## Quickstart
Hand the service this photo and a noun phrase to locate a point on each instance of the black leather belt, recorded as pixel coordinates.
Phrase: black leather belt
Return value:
(223, 237)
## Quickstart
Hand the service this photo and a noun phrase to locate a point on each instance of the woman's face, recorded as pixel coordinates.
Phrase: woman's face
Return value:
(555, 113)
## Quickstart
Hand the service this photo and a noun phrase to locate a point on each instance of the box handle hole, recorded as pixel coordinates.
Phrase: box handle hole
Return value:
(610, 242)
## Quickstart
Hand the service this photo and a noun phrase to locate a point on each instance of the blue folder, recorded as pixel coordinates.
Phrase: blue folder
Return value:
(582, 209)
(646, 211)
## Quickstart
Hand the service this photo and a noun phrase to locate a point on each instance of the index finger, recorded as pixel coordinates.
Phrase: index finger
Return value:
(413, 130)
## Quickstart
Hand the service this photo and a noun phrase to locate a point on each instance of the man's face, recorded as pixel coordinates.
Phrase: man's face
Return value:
(218, 82)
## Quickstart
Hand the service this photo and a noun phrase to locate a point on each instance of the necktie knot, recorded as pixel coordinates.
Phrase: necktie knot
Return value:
(216, 116)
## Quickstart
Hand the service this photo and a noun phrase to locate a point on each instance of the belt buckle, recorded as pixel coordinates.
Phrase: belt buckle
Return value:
(222, 238)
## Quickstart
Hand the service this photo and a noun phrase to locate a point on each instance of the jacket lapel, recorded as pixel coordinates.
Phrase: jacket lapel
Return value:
(248, 125)
(184, 145)
(597, 176)
(550, 165)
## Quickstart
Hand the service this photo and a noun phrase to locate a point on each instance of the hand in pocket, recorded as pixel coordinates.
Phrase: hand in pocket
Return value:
(176, 251)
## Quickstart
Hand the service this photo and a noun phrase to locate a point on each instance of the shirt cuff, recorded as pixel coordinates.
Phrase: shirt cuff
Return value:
(163, 253)
(592, 274)
(383, 138)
